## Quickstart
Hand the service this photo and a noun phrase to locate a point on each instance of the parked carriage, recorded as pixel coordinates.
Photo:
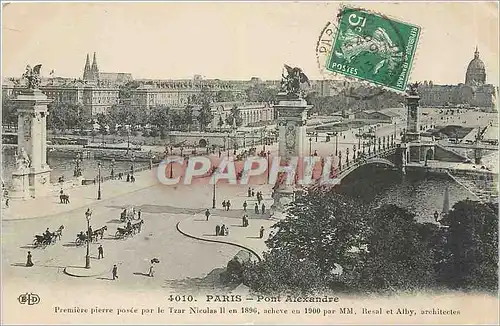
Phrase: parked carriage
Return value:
(122, 233)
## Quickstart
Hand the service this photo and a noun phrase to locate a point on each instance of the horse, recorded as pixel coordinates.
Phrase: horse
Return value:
(99, 232)
(136, 227)
(58, 232)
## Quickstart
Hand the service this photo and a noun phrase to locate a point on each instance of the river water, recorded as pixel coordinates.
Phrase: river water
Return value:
(420, 193)
(64, 166)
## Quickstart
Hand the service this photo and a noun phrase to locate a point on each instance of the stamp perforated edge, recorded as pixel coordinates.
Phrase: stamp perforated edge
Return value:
(322, 59)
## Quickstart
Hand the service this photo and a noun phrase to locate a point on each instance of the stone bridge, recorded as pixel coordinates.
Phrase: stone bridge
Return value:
(386, 156)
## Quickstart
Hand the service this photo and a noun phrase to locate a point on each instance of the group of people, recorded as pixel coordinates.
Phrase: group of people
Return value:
(221, 230)
(226, 204)
(245, 220)
(130, 178)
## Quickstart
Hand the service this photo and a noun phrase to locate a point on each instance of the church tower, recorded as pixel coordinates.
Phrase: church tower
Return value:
(95, 69)
(87, 75)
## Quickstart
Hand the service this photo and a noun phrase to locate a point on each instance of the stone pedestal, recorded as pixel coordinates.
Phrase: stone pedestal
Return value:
(413, 119)
(32, 178)
(292, 117)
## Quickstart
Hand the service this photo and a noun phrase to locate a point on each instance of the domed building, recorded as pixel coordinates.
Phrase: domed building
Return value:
(474, 93)
(476, 72)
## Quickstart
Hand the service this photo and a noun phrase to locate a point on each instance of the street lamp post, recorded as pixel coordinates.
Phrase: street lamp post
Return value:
(128, 141)
(113, 169)
(310, 146)
(99, 180)
(87, 256)
(336, 142)
(132, 167)
(265, 140)
(213, 193)
(268, 168)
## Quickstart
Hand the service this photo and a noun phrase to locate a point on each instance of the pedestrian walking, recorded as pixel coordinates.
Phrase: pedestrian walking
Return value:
(261, 232)
(258, 198)
(132, 178)
(139, 214)
(243, 219)
(100, 252)
(256, 208)
(128, 177)
(224, 205)
(151, 270)
(263, 208)
(207, 214)
(217, 230)
(29, 262)
(228, 205)
(115, 272)
(249, 192)
(253, 193)
(245, 205)
(7, 202)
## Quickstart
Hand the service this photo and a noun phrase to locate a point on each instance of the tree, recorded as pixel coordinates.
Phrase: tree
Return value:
(103, 122)
(188, 116)
(160, 118)
(323, 227)
(224, 96)
(205, 115)
(234, 117)
(399, 253)
(9, 111)
(471, 249)
(64, 116)
(261, 93)
(282, 271)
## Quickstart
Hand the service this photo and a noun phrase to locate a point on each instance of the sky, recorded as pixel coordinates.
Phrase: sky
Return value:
(230, 40)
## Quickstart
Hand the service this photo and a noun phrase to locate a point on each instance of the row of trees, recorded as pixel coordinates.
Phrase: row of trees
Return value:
(354, 99)
(381, 250)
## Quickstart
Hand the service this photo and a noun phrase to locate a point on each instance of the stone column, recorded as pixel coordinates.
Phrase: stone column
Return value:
(413, 118)
(292, 116)
(32, 178)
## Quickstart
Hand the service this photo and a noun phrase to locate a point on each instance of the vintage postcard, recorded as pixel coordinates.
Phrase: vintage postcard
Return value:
(250, 163)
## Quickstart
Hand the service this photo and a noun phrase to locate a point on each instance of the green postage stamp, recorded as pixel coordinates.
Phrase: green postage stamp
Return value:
(373, 47)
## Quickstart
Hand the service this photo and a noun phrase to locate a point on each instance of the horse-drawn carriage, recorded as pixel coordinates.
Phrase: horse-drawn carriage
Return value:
(129, 230)
(81, 238)
(128, 214)
(48, 238)
(122, 233)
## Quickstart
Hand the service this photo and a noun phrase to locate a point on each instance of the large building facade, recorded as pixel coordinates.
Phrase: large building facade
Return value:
(473, 93)
(179, 93)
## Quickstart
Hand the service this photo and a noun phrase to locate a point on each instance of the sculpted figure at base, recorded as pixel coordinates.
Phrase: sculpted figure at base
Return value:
(22, 160)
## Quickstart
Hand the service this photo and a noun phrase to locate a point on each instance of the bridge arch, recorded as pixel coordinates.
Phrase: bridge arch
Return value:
(379, 160)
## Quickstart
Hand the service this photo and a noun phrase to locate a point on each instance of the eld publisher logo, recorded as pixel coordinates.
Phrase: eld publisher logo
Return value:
(29, 298)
